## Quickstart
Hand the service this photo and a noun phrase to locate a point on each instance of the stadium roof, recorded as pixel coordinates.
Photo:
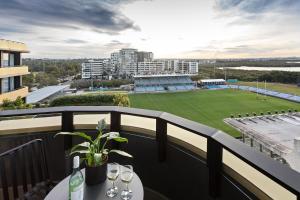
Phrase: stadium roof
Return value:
(162, 75)
(211, 80)
(275, 132)
(44, 93)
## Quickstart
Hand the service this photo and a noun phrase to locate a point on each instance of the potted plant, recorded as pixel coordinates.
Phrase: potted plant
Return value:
(95, 152)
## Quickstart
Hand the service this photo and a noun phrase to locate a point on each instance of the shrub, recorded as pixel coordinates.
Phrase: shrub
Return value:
(91, 100)
(13, 105)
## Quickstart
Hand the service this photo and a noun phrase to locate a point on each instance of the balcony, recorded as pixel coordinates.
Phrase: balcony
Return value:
(13, 71)
(13, 95)
(173, 156)
(9, 45)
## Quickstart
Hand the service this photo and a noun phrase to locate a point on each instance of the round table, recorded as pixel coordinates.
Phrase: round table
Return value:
(61, 190)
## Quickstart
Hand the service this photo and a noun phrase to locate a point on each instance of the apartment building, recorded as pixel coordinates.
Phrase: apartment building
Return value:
(12, 70)
(128, 61)
(93, 68)
(180, 66)
(144, 56)
(153, 67)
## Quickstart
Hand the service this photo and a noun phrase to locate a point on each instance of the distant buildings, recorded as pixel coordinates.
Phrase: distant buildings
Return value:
(95, 68)
(12, 70)
(128, 62)
(152, 67)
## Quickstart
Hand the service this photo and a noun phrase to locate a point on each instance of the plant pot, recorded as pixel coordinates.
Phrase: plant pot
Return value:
(95, 175)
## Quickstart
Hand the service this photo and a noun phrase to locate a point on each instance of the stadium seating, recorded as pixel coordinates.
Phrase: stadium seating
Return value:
(163, 83)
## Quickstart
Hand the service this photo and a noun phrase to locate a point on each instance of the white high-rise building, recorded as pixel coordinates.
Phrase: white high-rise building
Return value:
(154, 67)
(93, 69)
(128, 61)
(115, 60)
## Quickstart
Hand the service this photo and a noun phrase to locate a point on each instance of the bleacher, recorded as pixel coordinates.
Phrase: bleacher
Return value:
(272, 93)
(159, 83)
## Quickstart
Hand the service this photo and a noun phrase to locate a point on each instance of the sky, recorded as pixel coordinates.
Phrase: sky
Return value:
(168, 28)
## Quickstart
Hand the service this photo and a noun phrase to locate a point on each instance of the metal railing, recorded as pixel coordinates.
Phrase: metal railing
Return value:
(217, 141)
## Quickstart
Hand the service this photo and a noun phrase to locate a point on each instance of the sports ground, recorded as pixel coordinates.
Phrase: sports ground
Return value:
(210, 107)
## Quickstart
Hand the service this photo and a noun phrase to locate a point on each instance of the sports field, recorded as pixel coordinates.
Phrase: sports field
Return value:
(280, 87)
(210, 107)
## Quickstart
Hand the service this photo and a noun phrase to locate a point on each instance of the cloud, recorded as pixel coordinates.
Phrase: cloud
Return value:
(101, 15)
(75, 41)
(257, 6)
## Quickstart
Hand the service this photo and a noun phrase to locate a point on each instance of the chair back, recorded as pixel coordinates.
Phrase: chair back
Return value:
(22, 167)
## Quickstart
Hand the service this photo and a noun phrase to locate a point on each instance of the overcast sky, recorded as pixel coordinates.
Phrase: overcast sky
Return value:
(168, 28)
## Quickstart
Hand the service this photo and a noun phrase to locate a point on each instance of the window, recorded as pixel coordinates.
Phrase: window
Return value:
(5, 60)
(5, 85)
(11, 59)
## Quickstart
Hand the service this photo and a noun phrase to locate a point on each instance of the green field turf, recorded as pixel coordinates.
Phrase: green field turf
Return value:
(210, 107)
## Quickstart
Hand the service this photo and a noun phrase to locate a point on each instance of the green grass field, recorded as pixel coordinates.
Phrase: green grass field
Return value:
(210, 107)
(280, 87)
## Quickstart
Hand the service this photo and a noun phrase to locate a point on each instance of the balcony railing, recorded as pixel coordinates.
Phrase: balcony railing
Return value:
(189, 155)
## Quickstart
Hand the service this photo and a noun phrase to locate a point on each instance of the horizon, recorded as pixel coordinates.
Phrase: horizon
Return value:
(216, 29)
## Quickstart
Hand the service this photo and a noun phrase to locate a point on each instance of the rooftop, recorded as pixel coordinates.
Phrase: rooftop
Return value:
(44, 93)
(9, 45)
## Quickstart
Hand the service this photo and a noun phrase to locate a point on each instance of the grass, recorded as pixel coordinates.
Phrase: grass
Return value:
(210, 107)
(285, 88)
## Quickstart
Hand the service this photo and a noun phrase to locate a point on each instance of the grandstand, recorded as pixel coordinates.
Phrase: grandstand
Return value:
(275, 134)
(286, 96)
(163, 82)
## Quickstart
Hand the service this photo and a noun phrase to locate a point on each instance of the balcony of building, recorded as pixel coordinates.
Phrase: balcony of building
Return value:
(13, 46)
(13, 71)
(174, 157)
(14, 94)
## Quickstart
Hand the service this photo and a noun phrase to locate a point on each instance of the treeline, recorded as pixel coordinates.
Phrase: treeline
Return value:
(46, 72)
(83, 84)
(253, 63)
(242, 75)
(57, 68)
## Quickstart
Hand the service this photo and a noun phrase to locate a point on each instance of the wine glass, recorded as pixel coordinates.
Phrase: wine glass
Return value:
(112, 175)
(126, 177)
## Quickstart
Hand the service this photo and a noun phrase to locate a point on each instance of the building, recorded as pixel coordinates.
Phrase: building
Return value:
(128, 61)
(153, 67)
(115, 61)
(12, 70)
(94, 68)
(144, 56)
(180, 66)
(186, 67)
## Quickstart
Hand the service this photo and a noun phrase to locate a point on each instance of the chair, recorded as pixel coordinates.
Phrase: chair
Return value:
(24, 172)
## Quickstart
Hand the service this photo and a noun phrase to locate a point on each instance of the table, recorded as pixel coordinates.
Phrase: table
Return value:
(97, 192)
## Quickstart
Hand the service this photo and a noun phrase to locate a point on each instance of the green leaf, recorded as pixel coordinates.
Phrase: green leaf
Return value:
(80, 152)
(82, 145)
(120, 139)
(122, 153)
(83, 135)
(98, 158)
